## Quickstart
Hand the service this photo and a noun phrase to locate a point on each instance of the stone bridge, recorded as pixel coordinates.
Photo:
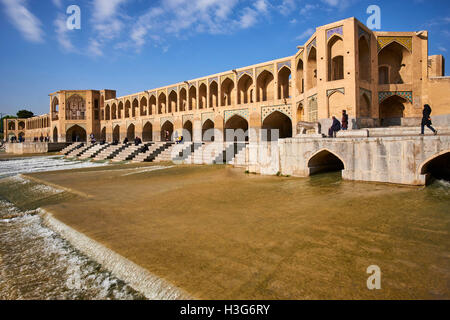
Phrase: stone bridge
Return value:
(408, 160)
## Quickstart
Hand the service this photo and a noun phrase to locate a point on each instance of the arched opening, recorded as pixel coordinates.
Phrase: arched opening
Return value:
(236, 129)
(22, 136)
(324, 161)
(187, 131)
(278, 126)
(55, 109)
(437, 168)
(202, 96)
(398, 59)
(227, 89)
(335, 58)
(192, 98)
(131, 132)
(364, 59)
(108, 112)
(244, 86)
(172, 101)
(103, 134)
(12, 125)
(336, 103)
(311, 71)
(121, 113)
(127, 109)
(300, 82)
(183, 99)
(152, 105)
(102, 114)
(264, 84)
(147, 132)
(300, 112)
(284, 83)
(213, 95)
(55, 134)
(392, 111)
(113, 112)
(364, 106)
(162, 103)
(116, 134)
(76, 134)
(144, 107)
(75, 108)
(206, 134)
(167, 131)
(135, 108)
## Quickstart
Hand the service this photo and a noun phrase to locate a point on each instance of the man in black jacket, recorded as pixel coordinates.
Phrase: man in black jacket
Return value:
(335, 127)
(426, 120)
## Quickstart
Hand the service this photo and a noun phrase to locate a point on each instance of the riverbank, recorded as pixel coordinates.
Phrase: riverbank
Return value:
(218, 233)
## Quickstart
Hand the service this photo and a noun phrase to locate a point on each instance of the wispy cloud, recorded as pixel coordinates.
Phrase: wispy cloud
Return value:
(23, 20)
(62, 33)
(57, 3)
(306, 34)
(182, 18)
(287, 7)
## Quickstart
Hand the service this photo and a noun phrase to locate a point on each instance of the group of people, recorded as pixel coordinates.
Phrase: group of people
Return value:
(337, 126)
(21, 139)
(137, 141)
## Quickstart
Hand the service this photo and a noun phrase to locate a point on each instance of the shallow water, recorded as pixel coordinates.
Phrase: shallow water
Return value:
(35, 262)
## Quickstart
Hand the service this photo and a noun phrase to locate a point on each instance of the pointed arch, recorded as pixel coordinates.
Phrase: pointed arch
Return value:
(213, 94)
(437, 166)
(127, 109)
(311, 69)
(244, 89)
(147, 132)
(236, 129)
(207, 128)
(202, 96)
(114, 111)
(395, 59)
(183, 99)
(391, 111)
(278, 126)
(120, 111)
(188, 131)
(167, 131)
(364, 59)
(300, 82)
(335, 58)
(227, 89)
(172, 104)
(284, 83)
(162, 101)
(143, 107)
(265, 86)
(152, 105)
(134, 108)
(131, 132)
(55, 134)
(116, 134)
(325, 160)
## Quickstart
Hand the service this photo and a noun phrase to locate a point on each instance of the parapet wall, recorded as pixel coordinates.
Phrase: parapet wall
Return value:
(34, 147)
(398, 160)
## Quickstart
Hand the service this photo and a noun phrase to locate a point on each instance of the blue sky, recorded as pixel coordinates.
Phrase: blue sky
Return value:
(135, 45)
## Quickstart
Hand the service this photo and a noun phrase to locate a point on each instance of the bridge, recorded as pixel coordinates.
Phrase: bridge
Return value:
(408, 160)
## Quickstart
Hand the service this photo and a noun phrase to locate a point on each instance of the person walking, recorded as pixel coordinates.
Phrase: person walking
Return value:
(344, 120)
(426, 120)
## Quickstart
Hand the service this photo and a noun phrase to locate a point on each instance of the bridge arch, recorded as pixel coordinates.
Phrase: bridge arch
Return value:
(325, 160)
(167, 127)
(147, 132)
(236, 129)
(76, 134)
(277, 121)
(437, 166)
(131, 134)
(116, 133)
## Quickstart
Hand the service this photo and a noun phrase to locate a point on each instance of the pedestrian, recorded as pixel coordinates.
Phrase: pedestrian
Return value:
(344, 120)
(335, 127)
(426, 120)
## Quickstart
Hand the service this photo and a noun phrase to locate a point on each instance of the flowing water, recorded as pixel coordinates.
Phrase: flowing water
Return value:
(35, 262)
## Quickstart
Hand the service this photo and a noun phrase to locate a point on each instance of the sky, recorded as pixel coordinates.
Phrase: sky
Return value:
(137, 45)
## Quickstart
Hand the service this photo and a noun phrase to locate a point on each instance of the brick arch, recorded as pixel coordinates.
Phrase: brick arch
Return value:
(325, 160)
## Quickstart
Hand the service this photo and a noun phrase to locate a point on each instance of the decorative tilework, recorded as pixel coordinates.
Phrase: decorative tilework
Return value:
(191, 84)
(172, 89)
(230, 75)
(188, 117)
(203, 82)
(230, 113)
(152, 94)
(385, 41)
(267, 111)
(338, 30)
(331, 91)
(268, 68)
(362, 32)
(207, 116)
(383, 95)
(183, 86)
(310, 45)
(363, 91)
(81, 94)
(283, 64)
(161, 91)
(164, 119)
(298, 57)
(216, 79)
(248, 72)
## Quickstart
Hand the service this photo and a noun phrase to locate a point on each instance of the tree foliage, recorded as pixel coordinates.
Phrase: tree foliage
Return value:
(24, 114)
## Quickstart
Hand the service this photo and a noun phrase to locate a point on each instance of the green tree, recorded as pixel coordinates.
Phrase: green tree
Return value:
(24, 114)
